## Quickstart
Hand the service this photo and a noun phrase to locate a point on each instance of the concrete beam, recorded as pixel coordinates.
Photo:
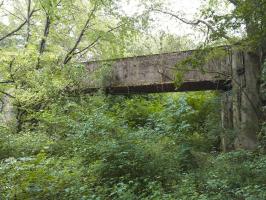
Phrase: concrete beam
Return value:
(156, 73)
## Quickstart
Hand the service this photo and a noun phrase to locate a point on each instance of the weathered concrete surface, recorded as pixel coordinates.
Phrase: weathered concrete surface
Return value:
(246, 99)
(156, 73)
(227, 135)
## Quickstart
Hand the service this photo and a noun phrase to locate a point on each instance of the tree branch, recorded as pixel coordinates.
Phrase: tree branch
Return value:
(96, 40)
(18, 28)
(12, 81)
(7, 82)
(9, 95)
(28, 23)
(2, 105)
(45, 34)
(193, 23)
(10, 72)
(14, 15)
(44, 38)
(233, 2)
(70, 54)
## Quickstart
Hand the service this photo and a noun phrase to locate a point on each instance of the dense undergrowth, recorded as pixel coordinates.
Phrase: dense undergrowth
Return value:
(130, 147)
(97, 147)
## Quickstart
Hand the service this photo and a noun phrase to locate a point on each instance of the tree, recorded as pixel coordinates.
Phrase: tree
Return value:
(43, 43)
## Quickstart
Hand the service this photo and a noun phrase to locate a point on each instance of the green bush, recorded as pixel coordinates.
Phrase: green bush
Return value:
(97, 148)
(236, 175)
(24, 144)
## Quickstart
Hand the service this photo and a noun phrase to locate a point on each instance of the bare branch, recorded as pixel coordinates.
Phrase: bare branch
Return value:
(69, 55)
(193, 23)
(18, 28)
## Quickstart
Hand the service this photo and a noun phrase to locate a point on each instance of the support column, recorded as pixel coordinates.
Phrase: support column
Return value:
(227, 122)
(246, 100)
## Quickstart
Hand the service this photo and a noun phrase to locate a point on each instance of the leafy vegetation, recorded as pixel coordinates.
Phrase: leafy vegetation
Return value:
(113, 148)
(59, 143)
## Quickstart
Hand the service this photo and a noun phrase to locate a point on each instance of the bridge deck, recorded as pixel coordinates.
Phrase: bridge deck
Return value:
(156, 73)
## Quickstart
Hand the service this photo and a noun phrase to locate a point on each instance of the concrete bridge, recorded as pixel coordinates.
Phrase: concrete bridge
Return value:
(157, 73)
(236, 70)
